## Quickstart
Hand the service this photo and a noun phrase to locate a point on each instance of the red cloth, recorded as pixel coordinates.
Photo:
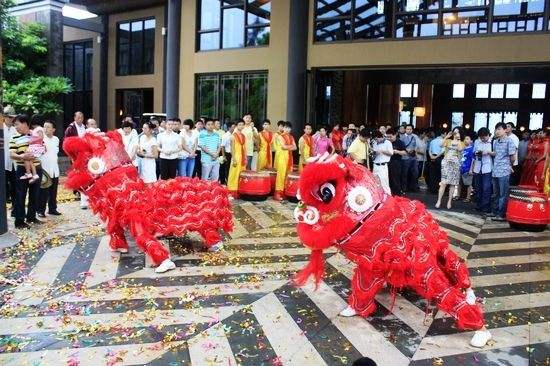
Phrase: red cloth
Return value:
(393, 241)
(241, 138)
(122, 200)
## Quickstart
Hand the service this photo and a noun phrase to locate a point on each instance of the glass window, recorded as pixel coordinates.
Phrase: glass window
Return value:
(255, 100)
(482, 91)
(419, 5)
(234, 24)
(136, 47)
(465, 22)
(230, 95)
(370, 19)
(497, 91)
(457, 119)
(333, 30)
(535, 121)
(511, 117)
(209, 41)
(517, 15)
(458, 90)
(480, 120)
(405, 117)
(210, 14)
(464, 3)
(406, 90)
(416, 25)
(207, 94)
(539, 91)
(512, 91)
(259, 12)
(332, 8)
(494, 118)
(77, 67)
(257, 36)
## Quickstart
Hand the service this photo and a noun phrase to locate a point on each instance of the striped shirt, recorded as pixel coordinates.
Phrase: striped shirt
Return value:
(19, 144)
(211, 141)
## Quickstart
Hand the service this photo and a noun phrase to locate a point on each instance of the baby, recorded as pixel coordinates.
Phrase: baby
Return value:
(37, 149)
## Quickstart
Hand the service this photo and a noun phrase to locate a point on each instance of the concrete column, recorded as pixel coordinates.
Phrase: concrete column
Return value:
(171, 94)
(297, 65)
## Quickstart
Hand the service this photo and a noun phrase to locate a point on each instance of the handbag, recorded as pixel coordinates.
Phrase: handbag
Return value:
(46, 181)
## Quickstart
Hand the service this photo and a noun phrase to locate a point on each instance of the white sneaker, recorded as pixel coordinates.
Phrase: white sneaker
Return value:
(480, 338)
(470, 297)
(166, 265)
(216, 247)
(348, 312)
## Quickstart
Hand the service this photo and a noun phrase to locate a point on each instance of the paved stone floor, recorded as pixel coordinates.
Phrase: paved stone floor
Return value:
(66, 300)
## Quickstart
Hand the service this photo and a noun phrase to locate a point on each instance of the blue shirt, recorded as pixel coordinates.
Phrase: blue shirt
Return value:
(483, 164)
(503, 148)
(211, 141)
(435, 146)
(467, 157)
(410, 143)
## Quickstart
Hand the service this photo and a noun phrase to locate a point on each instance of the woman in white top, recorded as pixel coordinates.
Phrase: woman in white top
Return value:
(130, 141)
(189, 146)
(148, 152)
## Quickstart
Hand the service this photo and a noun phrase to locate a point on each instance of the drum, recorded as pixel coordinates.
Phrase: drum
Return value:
(254, 184)
(528, 211)
(272, 176)
(291, 185)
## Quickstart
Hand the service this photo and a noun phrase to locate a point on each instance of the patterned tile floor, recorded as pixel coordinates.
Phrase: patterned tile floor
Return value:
(67, 301)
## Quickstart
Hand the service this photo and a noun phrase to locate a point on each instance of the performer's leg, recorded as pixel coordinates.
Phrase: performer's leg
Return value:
(364, 286)
(454, 267)
(158, 254)
(431, 283)
(117, 239)
(212, 239)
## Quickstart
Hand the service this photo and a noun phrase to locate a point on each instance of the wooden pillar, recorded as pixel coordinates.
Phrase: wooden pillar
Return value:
(425, 99)
(355, 97)
(388, 108)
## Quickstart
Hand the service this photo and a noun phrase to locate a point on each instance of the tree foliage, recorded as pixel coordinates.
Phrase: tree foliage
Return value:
(24, 66)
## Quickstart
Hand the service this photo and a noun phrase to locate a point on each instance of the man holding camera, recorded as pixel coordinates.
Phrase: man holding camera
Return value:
(409, 165)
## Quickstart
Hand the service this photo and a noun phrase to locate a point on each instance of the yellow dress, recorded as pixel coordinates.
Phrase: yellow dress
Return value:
(305, 145)
(264, 155)
(284, 162)
(238, 154)
(276, 145)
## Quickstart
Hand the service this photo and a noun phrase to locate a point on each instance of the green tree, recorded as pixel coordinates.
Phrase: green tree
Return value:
(24, 50)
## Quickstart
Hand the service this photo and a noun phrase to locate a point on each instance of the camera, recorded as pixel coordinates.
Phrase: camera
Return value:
(479, 153)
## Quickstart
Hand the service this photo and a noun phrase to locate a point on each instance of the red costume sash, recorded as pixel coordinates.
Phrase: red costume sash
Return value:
(268, 137)
(289, 140)
(309, 141)
(240, 138)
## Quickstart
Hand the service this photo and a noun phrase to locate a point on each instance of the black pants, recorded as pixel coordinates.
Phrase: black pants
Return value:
(394, 174)
(23, 187)
(197, 172)
(168, 168)
(224, 169)
(10, 185)
(48, 196)
(434, 175)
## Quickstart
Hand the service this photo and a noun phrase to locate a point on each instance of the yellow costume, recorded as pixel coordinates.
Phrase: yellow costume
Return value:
(305, 145)
(283, 163)
(264, 155)
(238, 155)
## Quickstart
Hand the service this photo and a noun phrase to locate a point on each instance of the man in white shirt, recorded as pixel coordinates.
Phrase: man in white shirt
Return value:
(383, 151)
(169, 146)
(9, 131)
(251, 139)
(50, 166)
(226, 153)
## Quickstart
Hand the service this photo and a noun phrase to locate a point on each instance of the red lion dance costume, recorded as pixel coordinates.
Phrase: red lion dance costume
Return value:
(102, 169)
(392, 240)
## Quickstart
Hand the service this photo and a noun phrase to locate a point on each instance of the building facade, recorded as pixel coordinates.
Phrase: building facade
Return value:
(428, 62)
